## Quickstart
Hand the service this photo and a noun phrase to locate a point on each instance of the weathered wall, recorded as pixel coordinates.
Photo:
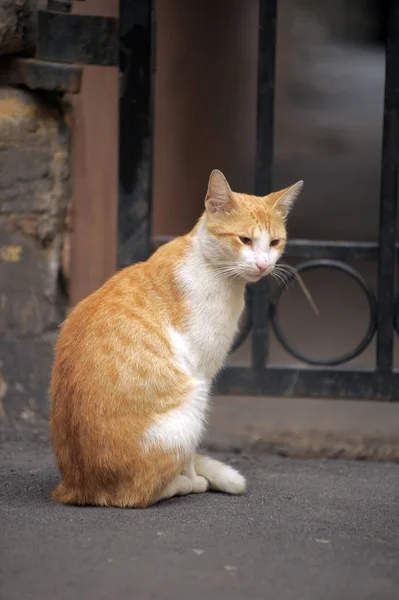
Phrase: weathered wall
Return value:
(34, 193)
(16, 21)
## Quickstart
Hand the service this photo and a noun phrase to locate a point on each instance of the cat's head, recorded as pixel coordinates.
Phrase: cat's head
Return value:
(245, 235)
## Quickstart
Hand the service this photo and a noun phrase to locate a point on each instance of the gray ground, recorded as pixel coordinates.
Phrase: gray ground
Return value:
(306, 530)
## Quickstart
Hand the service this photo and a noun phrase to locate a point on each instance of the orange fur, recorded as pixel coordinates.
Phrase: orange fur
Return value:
(254, 213)
(115, 370)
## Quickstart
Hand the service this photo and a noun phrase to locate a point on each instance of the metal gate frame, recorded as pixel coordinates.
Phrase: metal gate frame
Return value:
(323, 379)
(382, 382)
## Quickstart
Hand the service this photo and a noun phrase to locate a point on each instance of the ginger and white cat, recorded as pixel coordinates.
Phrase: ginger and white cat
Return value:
(135, 360)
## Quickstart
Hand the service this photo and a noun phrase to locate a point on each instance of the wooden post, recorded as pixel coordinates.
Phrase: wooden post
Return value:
(95, 170)
(205, 104)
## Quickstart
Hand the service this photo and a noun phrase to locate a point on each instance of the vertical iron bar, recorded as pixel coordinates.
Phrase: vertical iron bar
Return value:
(388, 199)
(264, 163)
(137, 56)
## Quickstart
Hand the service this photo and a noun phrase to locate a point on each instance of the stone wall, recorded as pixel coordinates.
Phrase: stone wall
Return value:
(16, 25)
(34, 194)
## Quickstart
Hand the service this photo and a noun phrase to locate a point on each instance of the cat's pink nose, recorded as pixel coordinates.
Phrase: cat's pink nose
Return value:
(262, 266)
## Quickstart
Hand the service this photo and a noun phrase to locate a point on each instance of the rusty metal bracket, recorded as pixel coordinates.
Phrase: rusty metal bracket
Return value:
(63, 6)
(80, 39)
(41, 75)
(62, 44)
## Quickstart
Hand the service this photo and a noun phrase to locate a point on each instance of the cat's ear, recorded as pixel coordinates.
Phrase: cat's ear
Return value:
(284, 200)
(219, 197)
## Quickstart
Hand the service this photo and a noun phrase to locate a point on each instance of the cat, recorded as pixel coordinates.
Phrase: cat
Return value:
(135, 360)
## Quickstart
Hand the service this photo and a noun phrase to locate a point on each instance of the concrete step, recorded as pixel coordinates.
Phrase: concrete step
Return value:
(303, 427)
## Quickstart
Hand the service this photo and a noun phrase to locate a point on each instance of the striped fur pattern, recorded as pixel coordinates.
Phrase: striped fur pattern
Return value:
(135, 360)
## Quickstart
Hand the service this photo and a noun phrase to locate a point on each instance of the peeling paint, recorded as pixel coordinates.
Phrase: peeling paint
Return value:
(35, 143)
(10, 253)
(3, 387)
(3, 391)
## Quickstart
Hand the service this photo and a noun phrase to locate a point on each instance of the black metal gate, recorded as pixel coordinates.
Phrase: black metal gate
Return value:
(318, 378)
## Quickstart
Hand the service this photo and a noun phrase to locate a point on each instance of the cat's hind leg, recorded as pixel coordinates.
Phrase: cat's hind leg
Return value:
(199, 483)
(179, 486)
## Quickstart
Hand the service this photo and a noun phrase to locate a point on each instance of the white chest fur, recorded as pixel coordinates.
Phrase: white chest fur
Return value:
(215, 306)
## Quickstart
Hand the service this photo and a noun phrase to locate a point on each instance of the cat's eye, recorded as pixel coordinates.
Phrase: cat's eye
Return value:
(246, 241)
(274, 243)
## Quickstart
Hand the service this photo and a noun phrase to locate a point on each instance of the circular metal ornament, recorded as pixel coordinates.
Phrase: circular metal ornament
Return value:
(364, 342)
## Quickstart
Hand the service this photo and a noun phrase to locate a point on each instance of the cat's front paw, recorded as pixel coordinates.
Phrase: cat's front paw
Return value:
(200, 484)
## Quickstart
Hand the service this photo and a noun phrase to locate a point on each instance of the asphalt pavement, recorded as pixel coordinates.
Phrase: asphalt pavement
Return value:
(306, 530)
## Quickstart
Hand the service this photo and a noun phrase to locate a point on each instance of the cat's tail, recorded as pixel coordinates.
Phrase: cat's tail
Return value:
(220, 476)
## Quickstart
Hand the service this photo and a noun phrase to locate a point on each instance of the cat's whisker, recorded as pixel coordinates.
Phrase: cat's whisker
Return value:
(282, 280)
(289, 273)
(230, 271)
(279, 279)
(285, 269)
(286, 266)
(226, 273)
(292, 273)
(276, 275)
